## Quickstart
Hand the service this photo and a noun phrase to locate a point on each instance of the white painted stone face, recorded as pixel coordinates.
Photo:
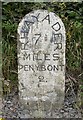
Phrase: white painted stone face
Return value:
(41, 61)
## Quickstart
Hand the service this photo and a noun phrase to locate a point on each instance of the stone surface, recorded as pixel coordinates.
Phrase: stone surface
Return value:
(41, 61)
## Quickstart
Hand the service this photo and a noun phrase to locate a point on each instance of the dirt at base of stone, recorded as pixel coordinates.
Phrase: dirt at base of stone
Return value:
(12, 108)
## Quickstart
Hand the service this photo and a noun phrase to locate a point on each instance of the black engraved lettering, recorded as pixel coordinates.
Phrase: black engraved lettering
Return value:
(24, 35)
(42, 68)
(56, 38)
(26, 56)
(41, 78)
(24, 46)
(58, 46)
(38, 57)
(56, 56)
(20, 67)
(47, 18)
(28, 23)
(62, 67)
(49, 67)
(25, 29)
(36, 17)
(56, 67)
(47, 56)
(37, 37)
(55, 27)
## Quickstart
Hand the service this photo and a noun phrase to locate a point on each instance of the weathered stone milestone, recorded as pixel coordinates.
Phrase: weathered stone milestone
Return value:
(41, 62)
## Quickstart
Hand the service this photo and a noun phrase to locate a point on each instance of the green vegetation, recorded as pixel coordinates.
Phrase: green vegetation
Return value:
(71, 15)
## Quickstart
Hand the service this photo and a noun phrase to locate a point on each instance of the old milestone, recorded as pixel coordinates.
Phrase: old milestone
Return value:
(41, 62)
